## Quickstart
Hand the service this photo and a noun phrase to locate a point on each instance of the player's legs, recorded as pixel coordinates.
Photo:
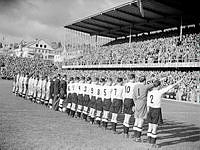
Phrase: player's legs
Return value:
(50, 103)
(79, 106)
(14, 86)
(154, 134)
(60, 104)
(126, 124)
(115, 109)
(150, 128)
(69, 104)
(92, 109)
(135, 127)
(106, 108)
(128, 105)
(140, 122)
(114, 122)
(99, 108)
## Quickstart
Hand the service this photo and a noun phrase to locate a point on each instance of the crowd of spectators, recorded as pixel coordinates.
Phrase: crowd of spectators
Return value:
(156, 50)
(187, 91)
(10, 65)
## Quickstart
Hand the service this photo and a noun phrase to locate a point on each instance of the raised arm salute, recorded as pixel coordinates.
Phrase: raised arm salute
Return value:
(154, 116)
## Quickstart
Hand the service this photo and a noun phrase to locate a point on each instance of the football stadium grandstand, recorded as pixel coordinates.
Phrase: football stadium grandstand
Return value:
(155, 38)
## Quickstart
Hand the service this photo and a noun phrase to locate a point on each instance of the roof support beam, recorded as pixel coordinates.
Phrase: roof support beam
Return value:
(72, 28)
(130, 14)
(108, 22)
(118, 18)
(94, 30)
(97, 25)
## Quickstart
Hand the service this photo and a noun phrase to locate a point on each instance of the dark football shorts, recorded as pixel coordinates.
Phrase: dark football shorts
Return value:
(154, 116)
(80, 99)
(116, 106)
(67, 100)
(92, 102)
(128, 105)
(106, 104)
(74, 98)
(86, 100)
(99, 104)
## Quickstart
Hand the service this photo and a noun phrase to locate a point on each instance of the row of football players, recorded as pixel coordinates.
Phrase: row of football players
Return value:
(36, 88)
(95, 98)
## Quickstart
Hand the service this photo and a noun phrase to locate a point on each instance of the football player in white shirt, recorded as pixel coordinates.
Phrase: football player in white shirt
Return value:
(69, 95)
(80, 93)
(154, 116)
(128, 102)
(74, 96)
(21, 78)
(39, 90)
(25, 85)
(17, 84)
(43, 90)
(99, 101)
(92, 103)
(116, 98)
(29, 88)
(35, 82)
(107, 90)
(86, 98)
(14, 83)
(47, 91)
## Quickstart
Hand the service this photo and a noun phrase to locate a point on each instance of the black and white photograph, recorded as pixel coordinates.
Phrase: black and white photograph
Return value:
(99, 75)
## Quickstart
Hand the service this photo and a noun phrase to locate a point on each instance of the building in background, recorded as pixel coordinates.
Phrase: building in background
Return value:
(37, 47)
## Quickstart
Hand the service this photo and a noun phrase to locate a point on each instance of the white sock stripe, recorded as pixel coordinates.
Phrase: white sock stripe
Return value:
(154, 135)
(139, 129)
(126, 124)
(97, 118)
(134, 128)
(149, 134)
(104, 119)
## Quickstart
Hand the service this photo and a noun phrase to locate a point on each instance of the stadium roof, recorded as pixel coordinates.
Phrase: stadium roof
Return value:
(158, 15)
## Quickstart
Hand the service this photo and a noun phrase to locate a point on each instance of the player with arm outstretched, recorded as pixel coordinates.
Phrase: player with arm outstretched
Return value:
(154, 116)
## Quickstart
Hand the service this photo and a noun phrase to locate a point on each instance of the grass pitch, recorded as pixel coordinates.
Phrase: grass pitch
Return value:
(27, 126)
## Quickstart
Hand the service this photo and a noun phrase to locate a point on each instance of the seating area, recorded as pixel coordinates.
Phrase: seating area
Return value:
(156, 50)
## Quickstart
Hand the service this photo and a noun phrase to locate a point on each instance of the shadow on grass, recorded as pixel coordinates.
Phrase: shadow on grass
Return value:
(170, 132)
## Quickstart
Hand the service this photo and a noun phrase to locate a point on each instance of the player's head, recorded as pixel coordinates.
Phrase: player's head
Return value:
(157, 83)
(64, 77)
(131, 76)
(119, 80)
(82, 78)
(58, 76)
(88, 79)
(77, 78)
(71, 79)
(102, 80)
(142, 79)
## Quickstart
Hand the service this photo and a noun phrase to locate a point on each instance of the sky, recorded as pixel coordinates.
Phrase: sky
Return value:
(45, 19)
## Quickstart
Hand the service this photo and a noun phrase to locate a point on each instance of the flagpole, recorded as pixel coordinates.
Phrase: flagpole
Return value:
(181, 30)
(130, 38)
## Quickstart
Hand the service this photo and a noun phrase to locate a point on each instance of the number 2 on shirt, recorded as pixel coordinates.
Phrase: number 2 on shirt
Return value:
(151, 97)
